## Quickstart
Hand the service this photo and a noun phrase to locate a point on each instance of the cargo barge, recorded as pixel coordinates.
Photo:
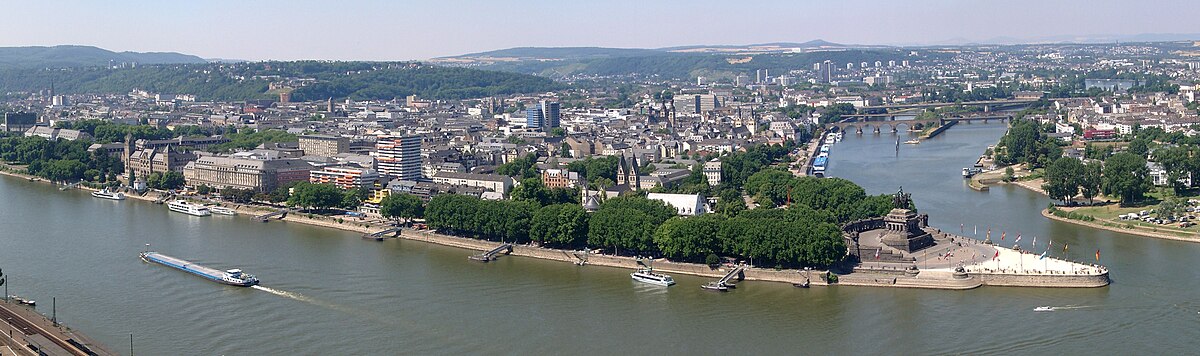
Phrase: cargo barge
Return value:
(233, 277)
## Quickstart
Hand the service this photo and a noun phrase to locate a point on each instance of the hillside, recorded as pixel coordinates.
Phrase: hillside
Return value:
(244, 81)
(678, 65)
(83, 56)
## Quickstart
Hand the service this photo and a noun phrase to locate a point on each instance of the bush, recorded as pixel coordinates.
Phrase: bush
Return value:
(712, 260)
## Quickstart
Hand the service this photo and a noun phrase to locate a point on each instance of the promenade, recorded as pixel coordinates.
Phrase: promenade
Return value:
(26, 332)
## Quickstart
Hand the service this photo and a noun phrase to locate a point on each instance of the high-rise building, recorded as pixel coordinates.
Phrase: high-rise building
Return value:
(546, 115)
(399, 156)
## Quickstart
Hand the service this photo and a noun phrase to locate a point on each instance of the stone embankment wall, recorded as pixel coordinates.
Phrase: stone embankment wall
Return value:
(1056, 281)
(753, 274)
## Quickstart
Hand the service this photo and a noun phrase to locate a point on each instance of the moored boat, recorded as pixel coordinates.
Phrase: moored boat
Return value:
(233, 277)
(647, 275)
(106, 194)
(217, 209)
(23, 301)
(185, 207)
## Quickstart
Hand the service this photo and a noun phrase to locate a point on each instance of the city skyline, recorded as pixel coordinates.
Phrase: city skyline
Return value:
(377, 30)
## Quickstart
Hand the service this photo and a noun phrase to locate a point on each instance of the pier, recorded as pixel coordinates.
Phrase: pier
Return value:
(281, 213)
(379, 236)
(724, 283)
(491, 255)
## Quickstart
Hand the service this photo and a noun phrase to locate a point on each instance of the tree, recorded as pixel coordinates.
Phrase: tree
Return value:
(315, 196)
(560, 225)
(241, 196)
(621, 228)
(1125, 175)
(203, 189)
(1063, 178)
(521, 168)
(1090, 181)
(401, 206)
(689, 239)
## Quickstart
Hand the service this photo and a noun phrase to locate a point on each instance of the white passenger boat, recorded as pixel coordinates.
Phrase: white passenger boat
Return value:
(185, 207)
(217, 209)
(1043, 309)
(647, 275)
(105, 194)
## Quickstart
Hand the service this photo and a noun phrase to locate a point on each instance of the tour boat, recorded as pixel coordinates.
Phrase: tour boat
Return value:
(105, 194)
(968, 172)
(647, 275)
(193, 209)
(216, 209)
(1043, 309)
(233, 277)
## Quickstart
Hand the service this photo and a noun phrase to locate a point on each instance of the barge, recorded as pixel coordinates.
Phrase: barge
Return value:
(233, 277)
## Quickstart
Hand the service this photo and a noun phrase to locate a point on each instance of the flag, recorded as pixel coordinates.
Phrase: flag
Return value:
(1097, 255)
(1065, 248)
(1044, 254)
(1035, 242)
(997, 255)
(877, 252)
(1018, 239)
(976, 230)
(1002, 233)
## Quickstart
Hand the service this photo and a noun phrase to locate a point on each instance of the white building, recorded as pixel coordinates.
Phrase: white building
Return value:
(712, 172)
(684, 204)
(493, 182)
(399, 156)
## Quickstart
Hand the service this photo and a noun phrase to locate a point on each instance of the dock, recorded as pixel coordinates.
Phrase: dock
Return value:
(726, 282)
(379, 236)
(30, 333)
(281, 213)
(491, 255)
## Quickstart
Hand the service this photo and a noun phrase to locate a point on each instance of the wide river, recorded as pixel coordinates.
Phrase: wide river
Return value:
(330, 292)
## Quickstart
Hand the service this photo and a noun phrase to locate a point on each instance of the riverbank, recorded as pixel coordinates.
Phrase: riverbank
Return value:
(929, 280)
(1134, 231)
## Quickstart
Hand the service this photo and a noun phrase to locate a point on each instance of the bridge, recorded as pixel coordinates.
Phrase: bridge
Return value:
(988, 105)
(379, 236)
(877, 126)
(725, 283)
(491, 255)
(281, 213)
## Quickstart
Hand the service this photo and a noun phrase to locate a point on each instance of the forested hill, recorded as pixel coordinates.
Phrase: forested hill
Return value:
(84, 56)
(311, 80)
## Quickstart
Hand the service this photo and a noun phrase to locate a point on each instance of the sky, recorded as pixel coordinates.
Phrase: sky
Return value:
(407, 30)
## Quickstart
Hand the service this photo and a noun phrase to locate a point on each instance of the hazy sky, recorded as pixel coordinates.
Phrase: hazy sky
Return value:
(400, 30)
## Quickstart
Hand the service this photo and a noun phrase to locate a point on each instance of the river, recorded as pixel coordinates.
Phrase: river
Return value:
(327, 291)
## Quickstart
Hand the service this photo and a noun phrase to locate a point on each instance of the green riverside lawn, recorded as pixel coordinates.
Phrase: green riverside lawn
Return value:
(1109, 215)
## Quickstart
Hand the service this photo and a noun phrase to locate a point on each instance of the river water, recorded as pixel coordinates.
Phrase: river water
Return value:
(326, 291)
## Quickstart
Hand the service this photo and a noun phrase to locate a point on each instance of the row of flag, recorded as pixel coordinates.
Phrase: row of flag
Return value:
(1004, 235)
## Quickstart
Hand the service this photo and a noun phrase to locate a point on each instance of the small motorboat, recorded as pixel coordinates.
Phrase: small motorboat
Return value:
(912, 142)
(24, 301)
(1043, 309)
(801, 284)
